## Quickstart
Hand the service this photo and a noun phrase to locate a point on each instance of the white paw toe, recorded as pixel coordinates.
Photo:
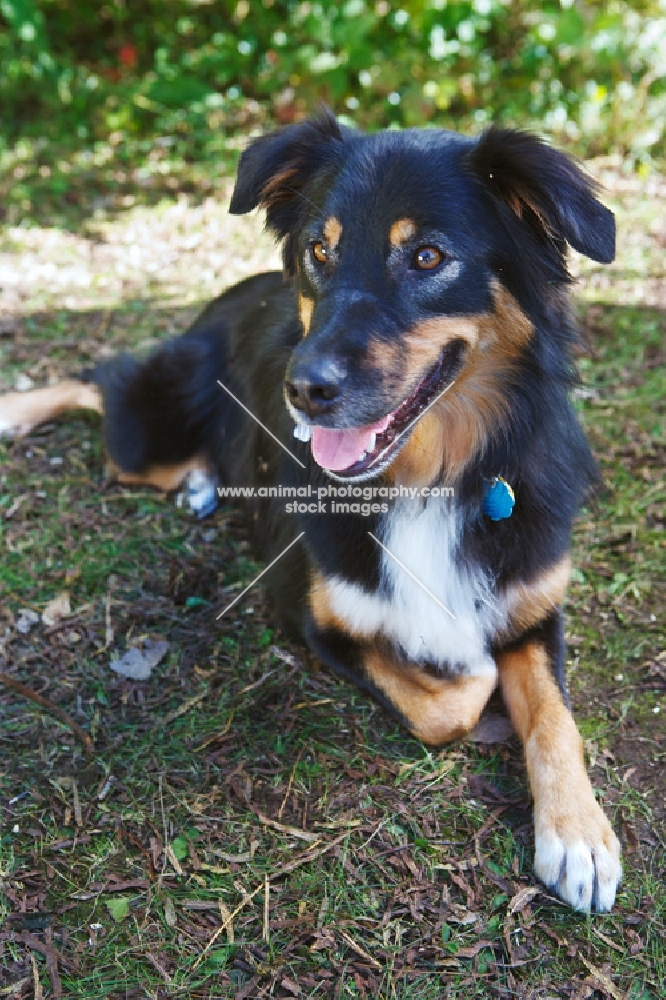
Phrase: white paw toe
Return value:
(583, 874)
(608, 877)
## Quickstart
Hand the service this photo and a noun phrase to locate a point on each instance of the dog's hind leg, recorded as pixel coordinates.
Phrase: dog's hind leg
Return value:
(436, 710)
(162, 416)
(195, 474)
(21, 412)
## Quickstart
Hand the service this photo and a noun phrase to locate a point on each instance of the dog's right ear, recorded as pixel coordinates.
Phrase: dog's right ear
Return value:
(274, 170)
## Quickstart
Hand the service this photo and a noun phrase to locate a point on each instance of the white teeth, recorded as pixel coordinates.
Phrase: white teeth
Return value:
(302, 432)
(371, 443)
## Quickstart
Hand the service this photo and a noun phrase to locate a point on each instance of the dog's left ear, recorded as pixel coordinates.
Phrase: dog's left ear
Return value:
(546, 190)
(274, 169)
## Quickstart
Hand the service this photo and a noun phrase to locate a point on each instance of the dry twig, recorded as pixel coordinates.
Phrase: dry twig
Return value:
(40, 700)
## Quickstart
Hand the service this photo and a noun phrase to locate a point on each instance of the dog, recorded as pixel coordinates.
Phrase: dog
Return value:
(416, 350)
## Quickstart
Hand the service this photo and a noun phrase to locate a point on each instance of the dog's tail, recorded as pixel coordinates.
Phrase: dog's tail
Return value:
(166, 410)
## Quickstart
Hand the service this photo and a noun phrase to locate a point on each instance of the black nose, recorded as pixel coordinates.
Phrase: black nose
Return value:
(314, 387)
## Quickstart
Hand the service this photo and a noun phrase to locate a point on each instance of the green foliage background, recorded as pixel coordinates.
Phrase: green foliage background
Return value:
(160, 79)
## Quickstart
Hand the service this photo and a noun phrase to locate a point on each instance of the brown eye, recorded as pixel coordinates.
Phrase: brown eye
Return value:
(319, 252)
(428, 258)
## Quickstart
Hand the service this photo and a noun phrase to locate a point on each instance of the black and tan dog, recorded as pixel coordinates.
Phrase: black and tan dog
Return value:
(420, 337)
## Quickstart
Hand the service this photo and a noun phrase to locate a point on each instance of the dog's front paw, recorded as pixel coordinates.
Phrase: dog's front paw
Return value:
(578, 857)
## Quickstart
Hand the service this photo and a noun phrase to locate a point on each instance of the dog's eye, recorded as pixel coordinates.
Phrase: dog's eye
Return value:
(319, 252)
(428, 258)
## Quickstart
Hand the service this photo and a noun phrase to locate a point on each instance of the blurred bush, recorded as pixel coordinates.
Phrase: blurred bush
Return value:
(192, 71)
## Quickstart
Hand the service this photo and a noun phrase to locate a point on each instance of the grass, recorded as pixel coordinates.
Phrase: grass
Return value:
(247, 825)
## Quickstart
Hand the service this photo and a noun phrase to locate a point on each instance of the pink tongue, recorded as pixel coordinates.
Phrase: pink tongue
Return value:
(337, 450)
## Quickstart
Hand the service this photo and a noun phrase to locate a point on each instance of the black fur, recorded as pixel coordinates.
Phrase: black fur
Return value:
(503, 207)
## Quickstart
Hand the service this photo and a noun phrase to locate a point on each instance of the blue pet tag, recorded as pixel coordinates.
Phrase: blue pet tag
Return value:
(499, 500)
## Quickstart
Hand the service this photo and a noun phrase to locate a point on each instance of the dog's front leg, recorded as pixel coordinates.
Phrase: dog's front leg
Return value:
(577, 854)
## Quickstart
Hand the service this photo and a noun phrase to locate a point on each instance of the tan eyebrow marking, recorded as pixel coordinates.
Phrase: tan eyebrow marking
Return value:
(305, 310)
(401, 231)
(332, 231)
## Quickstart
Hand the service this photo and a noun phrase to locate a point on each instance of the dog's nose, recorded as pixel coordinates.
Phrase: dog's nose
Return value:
(314, 387)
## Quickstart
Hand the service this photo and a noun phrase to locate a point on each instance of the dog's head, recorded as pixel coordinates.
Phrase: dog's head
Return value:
(423, 260)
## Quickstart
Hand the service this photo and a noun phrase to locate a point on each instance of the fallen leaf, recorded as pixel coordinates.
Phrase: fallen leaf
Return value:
(522, 898)
(492, 728)
(285, 656)
(473, 949)
(26, 619)
(138, 662)
(56, 609)
(460, 915)
(16, 503)
(170, 912)
(291, 986)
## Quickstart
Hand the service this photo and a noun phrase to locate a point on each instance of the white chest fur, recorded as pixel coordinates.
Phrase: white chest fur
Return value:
(419, 564)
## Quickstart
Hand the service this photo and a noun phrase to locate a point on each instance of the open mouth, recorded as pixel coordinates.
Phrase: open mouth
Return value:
(366, 451)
